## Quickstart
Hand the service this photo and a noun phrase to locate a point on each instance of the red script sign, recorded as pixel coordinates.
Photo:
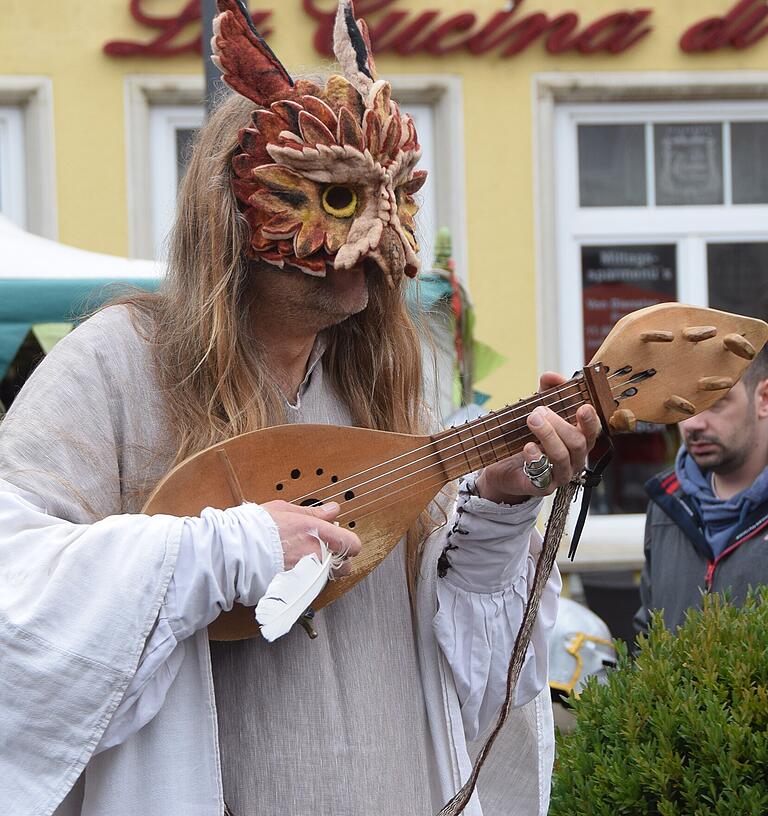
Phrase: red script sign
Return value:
(434, 32)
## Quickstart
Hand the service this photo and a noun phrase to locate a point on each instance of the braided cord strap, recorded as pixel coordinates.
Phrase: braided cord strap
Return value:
(555, 527)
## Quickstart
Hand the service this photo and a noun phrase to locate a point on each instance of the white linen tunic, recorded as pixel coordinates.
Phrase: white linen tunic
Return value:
(84, 589)
(332, 725)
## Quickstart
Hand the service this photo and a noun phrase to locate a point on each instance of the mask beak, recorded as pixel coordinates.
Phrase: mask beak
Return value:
(394, 257)
(389, 256)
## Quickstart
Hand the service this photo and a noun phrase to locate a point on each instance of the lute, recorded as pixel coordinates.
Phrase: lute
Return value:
(660, 364)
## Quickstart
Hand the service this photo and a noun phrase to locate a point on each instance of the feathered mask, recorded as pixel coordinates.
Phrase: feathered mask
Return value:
(325, 176)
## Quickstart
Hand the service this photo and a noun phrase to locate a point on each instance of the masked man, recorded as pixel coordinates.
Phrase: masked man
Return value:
(284, 303)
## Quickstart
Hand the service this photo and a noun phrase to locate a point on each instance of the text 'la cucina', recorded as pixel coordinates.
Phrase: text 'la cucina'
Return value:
(505, 32)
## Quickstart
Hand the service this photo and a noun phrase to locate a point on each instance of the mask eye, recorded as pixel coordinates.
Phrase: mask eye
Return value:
(339, 201)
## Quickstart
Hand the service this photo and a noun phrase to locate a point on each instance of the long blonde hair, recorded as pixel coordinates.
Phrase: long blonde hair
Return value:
(216, 383)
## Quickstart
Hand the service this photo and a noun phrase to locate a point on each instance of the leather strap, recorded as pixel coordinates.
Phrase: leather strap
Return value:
(590, 479)
(555, 527)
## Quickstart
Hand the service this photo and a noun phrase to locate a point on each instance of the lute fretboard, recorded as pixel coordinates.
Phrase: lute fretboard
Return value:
(457, 451)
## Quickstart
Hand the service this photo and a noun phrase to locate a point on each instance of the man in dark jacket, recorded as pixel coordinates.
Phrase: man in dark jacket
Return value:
(707, 523)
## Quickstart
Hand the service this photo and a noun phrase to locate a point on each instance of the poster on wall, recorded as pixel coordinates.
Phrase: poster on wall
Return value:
(617, 280)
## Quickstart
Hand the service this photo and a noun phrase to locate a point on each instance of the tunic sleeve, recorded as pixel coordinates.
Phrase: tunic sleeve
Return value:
(77, 602)
(488, 573)
(102, 597)
(225, 556)
(81, 582)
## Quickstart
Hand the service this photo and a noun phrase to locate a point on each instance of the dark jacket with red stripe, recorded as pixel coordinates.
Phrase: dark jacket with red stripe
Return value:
(679, 564)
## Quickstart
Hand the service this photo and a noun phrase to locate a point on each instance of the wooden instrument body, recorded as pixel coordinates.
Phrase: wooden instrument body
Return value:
(293, 461)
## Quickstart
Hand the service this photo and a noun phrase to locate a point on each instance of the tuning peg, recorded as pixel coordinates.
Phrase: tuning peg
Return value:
(679, 404)
(715, 383)
(698, 333)
(623, 420)
(739, 346)
(657, 337)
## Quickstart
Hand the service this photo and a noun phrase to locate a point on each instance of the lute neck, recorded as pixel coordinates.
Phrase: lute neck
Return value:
(503, 433)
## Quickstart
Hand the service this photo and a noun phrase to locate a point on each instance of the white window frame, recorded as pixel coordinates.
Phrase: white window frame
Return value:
(164, 121)
(13, 193)
(447, 176)
(426, 219)
(144, 93)
(27, 128)
(616, 541)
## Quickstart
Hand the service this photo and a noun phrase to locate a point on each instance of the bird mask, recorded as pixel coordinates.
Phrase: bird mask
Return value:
(324, 175)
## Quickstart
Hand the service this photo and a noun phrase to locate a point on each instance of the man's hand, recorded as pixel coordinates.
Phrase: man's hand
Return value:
(564, 444)
(298, 526)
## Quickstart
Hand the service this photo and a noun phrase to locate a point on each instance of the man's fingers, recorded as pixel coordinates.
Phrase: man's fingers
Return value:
(532, 452)
(589, 423)
(549, 379)
(551, 443)
(323, 511)
(301, 527)
(339, 540)
(328, 510)
(573, 438)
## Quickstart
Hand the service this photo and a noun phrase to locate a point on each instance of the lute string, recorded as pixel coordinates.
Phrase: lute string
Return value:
(409, 476)
(427, 482)
(478, 445)
(341, 487)
(352, 506)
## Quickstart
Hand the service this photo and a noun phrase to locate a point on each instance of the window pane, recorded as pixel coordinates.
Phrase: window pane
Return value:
(737, 275)
(689, 163)
(749, 162)
(427, 216)
(13, 203)
(612, 165)
(617, 280)
(184, 139)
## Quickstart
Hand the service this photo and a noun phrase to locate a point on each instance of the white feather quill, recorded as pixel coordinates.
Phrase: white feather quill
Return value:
(290, 593)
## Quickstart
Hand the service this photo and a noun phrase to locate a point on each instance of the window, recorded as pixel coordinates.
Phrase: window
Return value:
(656, 202)
(673, 163)
(162, 114)
(13, 203)
(426, 219)
(27, 156)
(172, 129)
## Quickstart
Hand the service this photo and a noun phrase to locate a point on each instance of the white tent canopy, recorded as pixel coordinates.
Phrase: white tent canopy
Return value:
(46, 283)
(27, 256)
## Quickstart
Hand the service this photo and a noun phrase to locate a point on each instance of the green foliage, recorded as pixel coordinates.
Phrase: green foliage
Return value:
(682, 730)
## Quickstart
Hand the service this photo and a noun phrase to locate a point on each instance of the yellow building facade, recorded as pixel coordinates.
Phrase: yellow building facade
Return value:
(566, 141)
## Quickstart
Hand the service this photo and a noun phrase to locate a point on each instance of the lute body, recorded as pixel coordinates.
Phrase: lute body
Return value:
(660, 364)
(305, 463)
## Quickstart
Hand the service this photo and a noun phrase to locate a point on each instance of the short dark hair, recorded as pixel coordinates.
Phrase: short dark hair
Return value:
(757, 371)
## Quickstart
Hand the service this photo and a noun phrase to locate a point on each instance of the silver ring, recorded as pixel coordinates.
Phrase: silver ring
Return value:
(539, 472)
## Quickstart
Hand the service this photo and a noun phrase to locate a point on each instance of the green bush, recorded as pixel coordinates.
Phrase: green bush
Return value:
(682, 730)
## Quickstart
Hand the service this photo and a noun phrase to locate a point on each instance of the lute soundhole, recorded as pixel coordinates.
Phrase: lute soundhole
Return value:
(314, 500)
